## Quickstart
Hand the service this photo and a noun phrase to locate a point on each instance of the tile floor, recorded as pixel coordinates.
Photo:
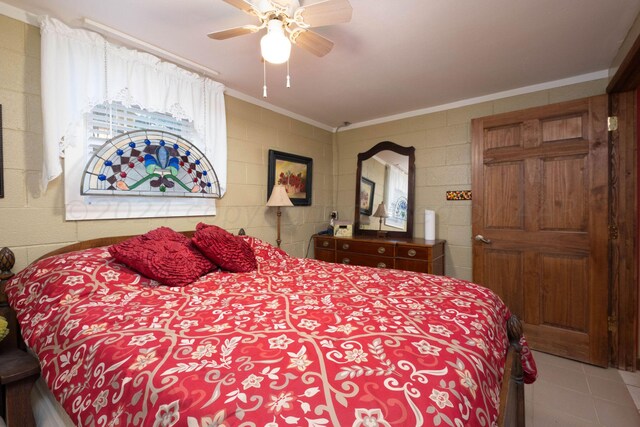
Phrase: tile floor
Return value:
(573, 394)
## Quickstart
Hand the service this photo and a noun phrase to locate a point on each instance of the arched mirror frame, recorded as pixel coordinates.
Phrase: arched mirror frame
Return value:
(406, 151)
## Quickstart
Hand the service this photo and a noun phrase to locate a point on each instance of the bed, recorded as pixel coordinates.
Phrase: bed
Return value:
(294, 342)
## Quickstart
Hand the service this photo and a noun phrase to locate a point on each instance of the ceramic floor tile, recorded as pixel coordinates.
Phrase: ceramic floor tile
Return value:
(556, 398)
(568, 378)
(635, 395)
(596, 371)
(545, 359)
(613, 391)
(630, 378)
(569, 393)
(614, 415)
(546, 417)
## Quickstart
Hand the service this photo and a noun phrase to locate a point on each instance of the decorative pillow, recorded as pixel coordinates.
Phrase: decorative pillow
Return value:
(229, 252)
(163, 255)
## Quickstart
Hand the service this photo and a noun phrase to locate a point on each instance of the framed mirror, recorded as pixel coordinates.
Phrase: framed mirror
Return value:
(385, 191)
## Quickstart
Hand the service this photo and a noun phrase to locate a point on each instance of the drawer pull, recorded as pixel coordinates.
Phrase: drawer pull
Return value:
(346, 260)
(345, 246)
(412, 252)
(325, 243)
(382, 265)
(381, 250)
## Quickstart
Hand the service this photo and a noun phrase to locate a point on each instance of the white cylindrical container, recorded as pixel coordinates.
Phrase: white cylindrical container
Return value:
(429, 225)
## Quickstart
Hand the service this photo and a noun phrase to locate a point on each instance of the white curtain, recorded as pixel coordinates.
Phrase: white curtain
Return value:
(80, 70)
(396, 184)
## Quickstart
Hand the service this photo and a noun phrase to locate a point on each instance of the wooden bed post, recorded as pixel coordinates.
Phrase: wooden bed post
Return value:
(512, 390)
(18, 369)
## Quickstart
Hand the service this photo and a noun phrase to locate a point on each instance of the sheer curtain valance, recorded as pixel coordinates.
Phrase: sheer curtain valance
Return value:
(80, 70)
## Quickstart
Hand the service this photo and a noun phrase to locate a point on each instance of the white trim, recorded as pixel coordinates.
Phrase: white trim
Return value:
(491, 97)
(263, 104)
(19, 14)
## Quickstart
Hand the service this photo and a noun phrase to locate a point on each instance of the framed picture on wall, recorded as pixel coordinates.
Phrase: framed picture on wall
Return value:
(294, 172)
(367, 190)
(1, 159)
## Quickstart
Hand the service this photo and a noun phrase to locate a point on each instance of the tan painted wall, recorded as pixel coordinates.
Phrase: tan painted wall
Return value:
(32, 224)
(443, 162)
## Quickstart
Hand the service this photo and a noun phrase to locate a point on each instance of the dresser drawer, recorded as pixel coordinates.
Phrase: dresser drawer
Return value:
(369, 248)
(409, 254)
(413, 252)
(420, 266)
(324, 242)
(325, 255)
(353, 258)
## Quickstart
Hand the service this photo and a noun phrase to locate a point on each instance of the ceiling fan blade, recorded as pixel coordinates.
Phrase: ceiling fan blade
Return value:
(328, 12)
(243, 5)
(312, 42)
(233, 32)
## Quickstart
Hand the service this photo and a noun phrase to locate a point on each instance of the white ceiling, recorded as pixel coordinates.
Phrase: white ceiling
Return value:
(395, 56)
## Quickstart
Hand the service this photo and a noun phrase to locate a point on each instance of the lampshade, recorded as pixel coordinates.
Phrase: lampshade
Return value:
(381, 211)
(275, 46)
(279, 197)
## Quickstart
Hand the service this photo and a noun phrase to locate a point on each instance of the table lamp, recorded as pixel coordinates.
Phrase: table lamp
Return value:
(381, 212)
(279, 198)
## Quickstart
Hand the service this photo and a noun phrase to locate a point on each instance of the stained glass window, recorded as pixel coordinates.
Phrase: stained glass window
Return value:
(150, 163)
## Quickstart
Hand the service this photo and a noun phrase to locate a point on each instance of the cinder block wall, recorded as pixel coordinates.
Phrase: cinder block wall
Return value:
(443, 162)
(32, 224)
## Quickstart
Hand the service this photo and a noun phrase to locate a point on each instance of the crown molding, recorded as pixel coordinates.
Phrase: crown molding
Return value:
(19, 14)
(491, 97)
(263, 104)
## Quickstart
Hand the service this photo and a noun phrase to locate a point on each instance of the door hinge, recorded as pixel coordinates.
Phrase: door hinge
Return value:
(613, 232)
(612, 123)
(612, 323)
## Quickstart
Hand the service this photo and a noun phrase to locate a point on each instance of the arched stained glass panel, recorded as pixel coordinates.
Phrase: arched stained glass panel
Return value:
(150, 163)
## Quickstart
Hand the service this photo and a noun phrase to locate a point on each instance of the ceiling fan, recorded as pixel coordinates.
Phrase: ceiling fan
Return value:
(287, 16)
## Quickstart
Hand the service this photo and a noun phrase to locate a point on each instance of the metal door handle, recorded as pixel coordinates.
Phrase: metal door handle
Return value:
(480, 238)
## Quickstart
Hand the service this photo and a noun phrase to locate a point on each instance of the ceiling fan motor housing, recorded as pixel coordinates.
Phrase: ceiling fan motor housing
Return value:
(286, 6)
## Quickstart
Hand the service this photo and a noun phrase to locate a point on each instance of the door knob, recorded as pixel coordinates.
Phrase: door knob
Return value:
(480, 238)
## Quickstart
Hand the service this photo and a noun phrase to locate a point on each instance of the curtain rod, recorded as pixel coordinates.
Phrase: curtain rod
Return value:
(132, 41)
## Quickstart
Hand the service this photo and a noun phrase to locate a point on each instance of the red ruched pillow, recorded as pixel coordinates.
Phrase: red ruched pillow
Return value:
(163, 255)
(227, 251)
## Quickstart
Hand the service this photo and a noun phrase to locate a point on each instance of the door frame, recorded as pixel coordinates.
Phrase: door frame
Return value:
(624, 256)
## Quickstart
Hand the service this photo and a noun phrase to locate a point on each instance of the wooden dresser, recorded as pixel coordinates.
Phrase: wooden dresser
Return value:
(421, 255)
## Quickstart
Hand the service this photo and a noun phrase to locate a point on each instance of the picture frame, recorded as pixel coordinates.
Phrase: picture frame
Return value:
(367, 190)
(294, 172)
(1, 159)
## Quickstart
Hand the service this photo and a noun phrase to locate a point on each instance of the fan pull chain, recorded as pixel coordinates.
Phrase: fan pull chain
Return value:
(288, 76)
(264, 79)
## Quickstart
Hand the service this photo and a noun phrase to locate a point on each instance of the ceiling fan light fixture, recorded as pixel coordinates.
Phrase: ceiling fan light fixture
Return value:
(275, 46)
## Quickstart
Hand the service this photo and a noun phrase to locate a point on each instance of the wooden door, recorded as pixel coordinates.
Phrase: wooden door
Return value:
(540, 200)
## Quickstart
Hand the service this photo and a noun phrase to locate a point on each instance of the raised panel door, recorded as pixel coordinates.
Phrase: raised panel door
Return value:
(540, 200)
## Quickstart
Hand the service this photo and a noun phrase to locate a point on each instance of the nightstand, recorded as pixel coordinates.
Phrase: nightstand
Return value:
(18, 369)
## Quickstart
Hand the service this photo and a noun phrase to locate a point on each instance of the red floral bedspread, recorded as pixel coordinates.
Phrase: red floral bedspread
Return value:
(299, 342)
